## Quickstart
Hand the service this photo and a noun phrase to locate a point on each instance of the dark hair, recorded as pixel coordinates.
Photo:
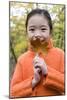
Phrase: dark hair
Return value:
(40, 12)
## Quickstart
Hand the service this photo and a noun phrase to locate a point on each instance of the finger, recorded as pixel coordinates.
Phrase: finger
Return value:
(36, 63)
(44, 71)
(37, 66)
(36, 57)
(37, 69)
(37, 76)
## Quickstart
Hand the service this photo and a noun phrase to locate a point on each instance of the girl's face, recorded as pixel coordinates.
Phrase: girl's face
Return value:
(38, 29)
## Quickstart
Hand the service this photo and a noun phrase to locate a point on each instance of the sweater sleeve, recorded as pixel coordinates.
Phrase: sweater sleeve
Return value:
(55, 79)
(20, 87)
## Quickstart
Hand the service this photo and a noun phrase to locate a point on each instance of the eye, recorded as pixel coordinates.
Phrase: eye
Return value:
(32, 29)
(43, 29)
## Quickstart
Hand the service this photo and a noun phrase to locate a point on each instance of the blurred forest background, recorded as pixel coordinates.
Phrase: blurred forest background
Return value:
(18, 35)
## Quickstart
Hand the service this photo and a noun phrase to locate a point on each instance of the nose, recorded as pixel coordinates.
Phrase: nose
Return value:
(37, 33)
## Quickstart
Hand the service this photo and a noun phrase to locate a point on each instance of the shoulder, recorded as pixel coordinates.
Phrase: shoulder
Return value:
(23, 56)
(57, 51)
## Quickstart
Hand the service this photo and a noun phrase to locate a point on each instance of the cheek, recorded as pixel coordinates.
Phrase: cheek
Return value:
(30, 35)
(46, 35)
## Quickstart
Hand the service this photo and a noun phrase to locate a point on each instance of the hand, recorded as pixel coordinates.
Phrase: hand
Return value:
(36, 78)
(40, 63)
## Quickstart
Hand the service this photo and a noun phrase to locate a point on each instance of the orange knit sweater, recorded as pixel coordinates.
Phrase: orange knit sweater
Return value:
(51, 85)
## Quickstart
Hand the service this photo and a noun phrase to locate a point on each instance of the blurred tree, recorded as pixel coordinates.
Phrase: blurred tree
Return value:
(58, 26)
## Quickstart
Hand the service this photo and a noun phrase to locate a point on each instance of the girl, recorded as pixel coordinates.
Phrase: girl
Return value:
(39, 71)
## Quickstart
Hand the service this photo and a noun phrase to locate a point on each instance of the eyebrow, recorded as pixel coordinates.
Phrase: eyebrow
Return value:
(43, 26)
(31, 26)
